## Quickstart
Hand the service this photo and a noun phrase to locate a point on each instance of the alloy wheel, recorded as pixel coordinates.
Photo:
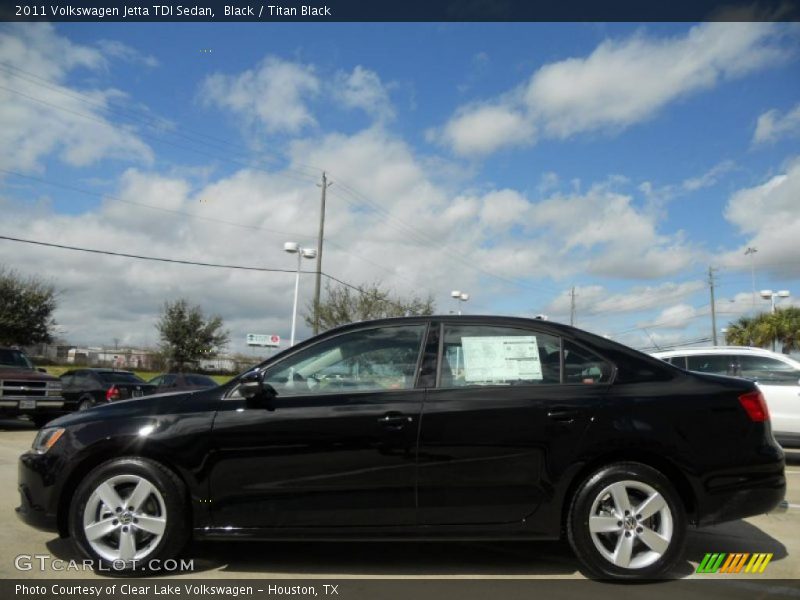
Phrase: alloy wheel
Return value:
(125, 518)
(630, 524)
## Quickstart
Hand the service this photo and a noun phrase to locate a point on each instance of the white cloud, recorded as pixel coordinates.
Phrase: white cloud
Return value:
(710, 177)
(274, 94)
(772, 125)
(43, 115)
(364, 90)
(483, 129)
(596, 300)
(604, 232)
(121, 51)
(769, 215)
(621, 83)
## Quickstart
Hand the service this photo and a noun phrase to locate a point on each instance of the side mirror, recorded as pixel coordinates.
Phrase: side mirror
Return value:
(250, 384)
(253, 389)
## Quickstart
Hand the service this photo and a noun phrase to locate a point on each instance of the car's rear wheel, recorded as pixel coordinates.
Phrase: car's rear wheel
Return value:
(85, 404)
(128, 512)
(627, 522)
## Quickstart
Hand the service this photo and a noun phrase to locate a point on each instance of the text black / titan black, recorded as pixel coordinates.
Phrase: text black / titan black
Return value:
(451, 427)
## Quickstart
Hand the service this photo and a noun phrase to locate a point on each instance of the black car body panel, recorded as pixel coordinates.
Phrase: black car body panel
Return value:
(425, 462)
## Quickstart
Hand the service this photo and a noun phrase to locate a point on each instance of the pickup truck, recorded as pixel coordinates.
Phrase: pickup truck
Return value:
(26, 390)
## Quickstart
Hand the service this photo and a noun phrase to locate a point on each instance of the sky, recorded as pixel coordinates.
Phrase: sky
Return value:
(513, 161)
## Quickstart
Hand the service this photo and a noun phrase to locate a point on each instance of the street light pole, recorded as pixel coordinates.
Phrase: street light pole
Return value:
(295, 248)
(459, 297)
(751, 251)
(770, 295)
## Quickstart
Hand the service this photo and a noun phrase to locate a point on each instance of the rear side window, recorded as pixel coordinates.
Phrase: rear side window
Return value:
(767, 370)
(583, 366)
(720, 364)
(119, 377)
(480, 355)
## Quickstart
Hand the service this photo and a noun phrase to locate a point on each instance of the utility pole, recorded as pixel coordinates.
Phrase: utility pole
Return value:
(572, 306)
(713, 306)
(324, 185)
(751, 251)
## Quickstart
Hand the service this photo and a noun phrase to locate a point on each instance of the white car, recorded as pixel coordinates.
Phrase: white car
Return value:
(777, 375)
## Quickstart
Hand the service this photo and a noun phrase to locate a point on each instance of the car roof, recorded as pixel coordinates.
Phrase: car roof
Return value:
(718, 350)
(600, 343)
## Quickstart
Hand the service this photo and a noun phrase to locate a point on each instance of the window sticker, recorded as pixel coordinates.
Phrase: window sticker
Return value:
(501, 358)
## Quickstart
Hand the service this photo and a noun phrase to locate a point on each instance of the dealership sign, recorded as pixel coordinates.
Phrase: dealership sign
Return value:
(260, 339)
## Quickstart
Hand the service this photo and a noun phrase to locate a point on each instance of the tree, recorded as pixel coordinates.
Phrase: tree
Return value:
(26, 309)
(782, 326)
(187, 335)
(740, 333)
(343, 304)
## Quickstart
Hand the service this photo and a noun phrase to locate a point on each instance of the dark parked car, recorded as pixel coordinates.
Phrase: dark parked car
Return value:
(418, 428)
(85, 388)
(177, 382)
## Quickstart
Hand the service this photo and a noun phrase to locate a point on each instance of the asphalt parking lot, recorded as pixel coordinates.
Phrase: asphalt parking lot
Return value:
(775, 533)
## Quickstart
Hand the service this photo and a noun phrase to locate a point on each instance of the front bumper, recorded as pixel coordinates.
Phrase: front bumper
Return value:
(37, 489)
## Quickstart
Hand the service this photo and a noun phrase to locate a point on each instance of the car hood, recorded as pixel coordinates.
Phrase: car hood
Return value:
(24, 374)
(155, 405)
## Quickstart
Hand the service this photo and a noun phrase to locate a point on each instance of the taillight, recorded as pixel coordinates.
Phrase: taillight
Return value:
(112, 394)
(755, 406)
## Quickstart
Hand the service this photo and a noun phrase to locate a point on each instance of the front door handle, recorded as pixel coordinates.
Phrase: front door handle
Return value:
(395, 420)
(563, 415)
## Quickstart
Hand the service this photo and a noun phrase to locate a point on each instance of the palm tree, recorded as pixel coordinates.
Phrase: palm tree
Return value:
(787, 326)
(741, 332)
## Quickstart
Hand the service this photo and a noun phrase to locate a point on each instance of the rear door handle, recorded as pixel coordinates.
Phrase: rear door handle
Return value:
(395, 420)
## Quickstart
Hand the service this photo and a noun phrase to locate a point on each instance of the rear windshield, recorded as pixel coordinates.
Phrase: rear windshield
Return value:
(14, 358)
(120, 377)
(200, 380)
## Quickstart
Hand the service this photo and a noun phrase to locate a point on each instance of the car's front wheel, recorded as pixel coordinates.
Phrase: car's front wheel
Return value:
(128, 512)
(627, 522)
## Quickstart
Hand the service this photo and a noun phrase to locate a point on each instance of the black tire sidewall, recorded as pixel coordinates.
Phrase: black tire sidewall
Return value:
(171, 488)
(578, 522)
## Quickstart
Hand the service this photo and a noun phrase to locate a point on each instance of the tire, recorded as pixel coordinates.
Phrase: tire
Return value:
(639, 544)
(85, 404)
(125, 541)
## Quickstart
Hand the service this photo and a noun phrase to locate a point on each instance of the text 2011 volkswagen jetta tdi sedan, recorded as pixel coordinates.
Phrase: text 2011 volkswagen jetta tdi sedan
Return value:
(418, 428)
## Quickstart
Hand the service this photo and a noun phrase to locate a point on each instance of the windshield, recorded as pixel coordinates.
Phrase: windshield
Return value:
(14, 358)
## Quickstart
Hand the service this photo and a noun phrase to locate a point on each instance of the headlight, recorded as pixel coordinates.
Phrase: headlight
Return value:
(47, 438)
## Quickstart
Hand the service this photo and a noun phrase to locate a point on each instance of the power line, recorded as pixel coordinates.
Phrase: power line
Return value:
(200, 217)
(153, 258)
(181, 262)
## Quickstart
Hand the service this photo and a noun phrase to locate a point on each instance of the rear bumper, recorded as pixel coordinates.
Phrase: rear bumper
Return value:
(743, 493)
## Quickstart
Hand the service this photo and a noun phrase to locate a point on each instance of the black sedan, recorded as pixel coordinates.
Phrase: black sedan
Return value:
(418, 428)
(84, 388)
(181, 382)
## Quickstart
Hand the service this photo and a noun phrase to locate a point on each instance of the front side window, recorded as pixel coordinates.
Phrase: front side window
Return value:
(767, 370)
(380, 359)
(479, 355)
